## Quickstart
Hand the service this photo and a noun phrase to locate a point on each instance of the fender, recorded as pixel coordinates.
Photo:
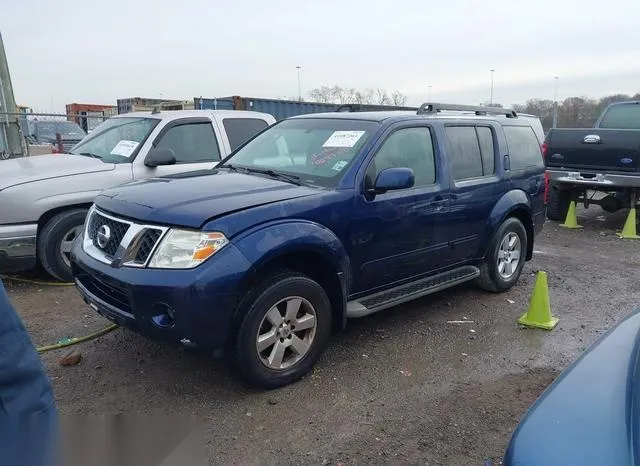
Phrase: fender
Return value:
(509, 202)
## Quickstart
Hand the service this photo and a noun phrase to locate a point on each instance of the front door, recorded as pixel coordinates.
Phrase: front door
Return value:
(194, 143)
(396, 235)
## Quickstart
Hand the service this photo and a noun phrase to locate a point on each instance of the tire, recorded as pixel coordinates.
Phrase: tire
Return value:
(558, 204)
(284, 287)
(61, 228)
(491, 279)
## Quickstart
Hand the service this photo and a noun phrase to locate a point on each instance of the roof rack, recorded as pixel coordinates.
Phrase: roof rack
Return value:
(435, 108)
(371, 108)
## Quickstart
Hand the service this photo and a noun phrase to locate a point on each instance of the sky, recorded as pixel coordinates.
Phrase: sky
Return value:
(63, 51)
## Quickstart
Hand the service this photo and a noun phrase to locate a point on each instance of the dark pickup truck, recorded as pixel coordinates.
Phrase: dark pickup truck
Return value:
(604, 159)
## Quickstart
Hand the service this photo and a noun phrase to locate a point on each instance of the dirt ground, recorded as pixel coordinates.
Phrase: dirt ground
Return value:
(399, 387)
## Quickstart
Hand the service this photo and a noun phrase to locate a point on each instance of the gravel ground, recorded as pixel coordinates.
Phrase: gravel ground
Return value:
(399, 387)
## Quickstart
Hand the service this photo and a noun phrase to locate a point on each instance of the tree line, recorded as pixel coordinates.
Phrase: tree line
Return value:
(573, 112)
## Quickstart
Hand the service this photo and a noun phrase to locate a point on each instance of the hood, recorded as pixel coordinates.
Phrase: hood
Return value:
(42, 167)
(589, 415)
(191, 199)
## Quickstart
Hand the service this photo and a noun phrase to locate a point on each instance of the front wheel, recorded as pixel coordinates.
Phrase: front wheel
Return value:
(55, 240)
(284, 332)
(505, 258)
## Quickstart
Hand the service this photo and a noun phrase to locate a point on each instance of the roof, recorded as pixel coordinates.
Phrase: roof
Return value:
(191, 113)
(400, 115)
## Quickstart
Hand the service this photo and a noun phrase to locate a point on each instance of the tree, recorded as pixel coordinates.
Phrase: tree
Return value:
(343, 95)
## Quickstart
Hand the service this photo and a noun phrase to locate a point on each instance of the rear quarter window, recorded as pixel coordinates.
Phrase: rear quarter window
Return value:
(240, 130)
(524, 148)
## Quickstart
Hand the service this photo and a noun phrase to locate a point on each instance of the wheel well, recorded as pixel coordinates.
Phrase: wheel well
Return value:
(525, 219)
(312, 264)
(48, 215)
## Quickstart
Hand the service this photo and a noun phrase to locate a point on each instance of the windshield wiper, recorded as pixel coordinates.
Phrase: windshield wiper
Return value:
(274, 174)
(294, 179)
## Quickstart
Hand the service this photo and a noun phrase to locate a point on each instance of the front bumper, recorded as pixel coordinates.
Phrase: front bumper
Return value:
(17, 247)
(594, 179)
(192, 307)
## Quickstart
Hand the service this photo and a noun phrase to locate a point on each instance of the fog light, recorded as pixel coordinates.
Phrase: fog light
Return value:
(163, 315)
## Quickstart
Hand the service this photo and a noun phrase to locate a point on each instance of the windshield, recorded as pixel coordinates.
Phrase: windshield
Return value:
(624, 116)
(68, 129)
(116, 140)
(317, 150)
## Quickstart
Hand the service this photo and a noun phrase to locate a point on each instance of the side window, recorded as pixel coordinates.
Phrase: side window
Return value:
(485, 137)
(240, 130)
(192, 142)
(465, 152)
(524, 149)
(408, 148)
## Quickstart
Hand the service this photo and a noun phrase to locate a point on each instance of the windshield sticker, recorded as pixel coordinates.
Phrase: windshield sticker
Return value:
(339, 165)
(343, 139)
(124, 148)
(326, 155)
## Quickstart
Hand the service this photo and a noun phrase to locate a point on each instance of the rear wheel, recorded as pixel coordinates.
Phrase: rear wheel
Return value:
(505, 258)
(558, 203)
(55, 240)
(284, 332)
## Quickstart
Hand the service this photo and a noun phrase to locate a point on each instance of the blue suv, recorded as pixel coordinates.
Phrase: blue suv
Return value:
(317, 219)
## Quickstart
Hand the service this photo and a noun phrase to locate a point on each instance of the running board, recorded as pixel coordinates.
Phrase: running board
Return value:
(410, 291)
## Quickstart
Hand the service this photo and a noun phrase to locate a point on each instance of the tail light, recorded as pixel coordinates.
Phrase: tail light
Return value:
(545, 148)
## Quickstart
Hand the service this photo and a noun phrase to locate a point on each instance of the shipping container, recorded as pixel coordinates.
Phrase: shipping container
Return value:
(281, 109)
(84, 113)
(142, 104)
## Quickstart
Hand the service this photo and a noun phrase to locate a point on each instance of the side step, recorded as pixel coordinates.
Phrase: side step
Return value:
(410, 291)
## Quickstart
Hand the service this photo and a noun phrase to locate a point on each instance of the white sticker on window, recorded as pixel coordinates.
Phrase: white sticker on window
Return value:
(339, 165)
(124, 148)
(343, 139)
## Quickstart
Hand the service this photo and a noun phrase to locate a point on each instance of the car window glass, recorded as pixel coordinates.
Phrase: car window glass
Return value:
(485, 138)
(524, 150)
(240, 130)
(464, 152)
(195, 142)
(406, 148)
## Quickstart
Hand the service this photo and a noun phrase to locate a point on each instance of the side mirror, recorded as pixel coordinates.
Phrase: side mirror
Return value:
(157, 157)
(391, 179)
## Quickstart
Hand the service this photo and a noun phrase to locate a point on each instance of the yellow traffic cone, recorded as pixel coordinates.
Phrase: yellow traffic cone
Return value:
(571, 221)
(629, 229)
(539, 313)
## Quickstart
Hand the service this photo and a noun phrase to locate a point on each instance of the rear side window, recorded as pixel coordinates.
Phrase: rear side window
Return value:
(624, 116)
(472, 152)
(240, 130)
(524, 149)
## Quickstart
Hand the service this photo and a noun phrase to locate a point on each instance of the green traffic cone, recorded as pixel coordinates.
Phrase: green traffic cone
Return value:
(571, 221)
(629, 229)
(539, 313)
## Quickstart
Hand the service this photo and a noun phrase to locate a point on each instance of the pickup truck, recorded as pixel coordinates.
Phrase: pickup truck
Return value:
(604, 159)
(319, 218)
(44, 199)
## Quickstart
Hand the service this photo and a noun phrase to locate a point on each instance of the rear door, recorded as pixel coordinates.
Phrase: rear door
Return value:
(240, 130)
(193, 141)
(476, 185)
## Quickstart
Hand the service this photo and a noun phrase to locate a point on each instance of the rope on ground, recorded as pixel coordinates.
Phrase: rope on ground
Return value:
(75, 341)
(35, 282)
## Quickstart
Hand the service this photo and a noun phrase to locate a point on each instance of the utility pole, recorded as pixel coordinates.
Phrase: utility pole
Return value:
(491, 98)
(9, 123)
(555, 102)
(299, 68)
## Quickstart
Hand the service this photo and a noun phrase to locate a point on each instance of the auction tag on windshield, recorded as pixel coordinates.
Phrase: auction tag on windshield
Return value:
(343, 139)
(124, 148)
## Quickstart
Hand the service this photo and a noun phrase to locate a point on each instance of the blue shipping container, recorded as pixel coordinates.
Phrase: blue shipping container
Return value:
(280, 109)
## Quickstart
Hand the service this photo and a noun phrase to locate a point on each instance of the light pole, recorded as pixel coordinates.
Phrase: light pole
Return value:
(491, 98)
(555, 102)
(299, 68)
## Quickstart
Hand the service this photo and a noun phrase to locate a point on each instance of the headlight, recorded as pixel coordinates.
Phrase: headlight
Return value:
(184, 249)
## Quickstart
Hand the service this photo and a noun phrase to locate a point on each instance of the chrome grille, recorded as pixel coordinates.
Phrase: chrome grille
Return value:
(118, 230)
(129, 244)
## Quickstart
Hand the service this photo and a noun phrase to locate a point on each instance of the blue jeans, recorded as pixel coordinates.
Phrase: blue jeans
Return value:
(28, 419)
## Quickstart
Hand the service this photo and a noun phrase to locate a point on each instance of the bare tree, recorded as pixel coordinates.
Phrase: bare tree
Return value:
(344, 95)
